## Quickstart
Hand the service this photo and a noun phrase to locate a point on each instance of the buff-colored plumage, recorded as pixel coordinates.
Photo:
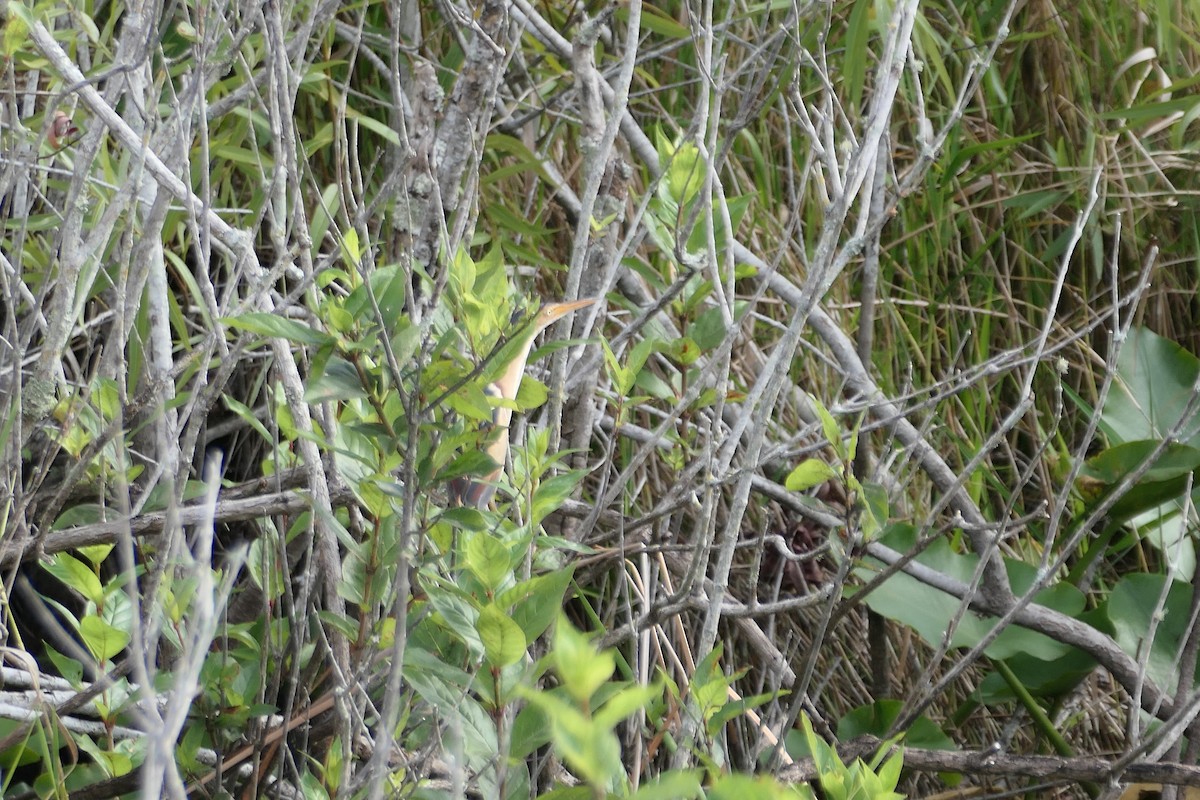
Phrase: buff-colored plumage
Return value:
(477, 492)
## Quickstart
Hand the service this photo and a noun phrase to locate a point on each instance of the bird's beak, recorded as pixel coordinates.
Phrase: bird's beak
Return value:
(554, 311)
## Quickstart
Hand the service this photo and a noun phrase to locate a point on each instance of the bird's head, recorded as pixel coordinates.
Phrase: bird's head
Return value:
(552, 312)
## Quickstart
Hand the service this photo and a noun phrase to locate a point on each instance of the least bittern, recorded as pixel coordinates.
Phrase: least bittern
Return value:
(476, 492)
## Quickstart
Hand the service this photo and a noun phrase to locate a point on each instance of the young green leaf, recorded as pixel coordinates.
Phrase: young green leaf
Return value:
(809, 473)
(503, 642)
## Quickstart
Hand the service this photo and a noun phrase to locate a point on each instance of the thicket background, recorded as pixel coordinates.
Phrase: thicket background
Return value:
(885, 412)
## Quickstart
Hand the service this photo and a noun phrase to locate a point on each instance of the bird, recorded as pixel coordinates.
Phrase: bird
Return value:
(477, 491)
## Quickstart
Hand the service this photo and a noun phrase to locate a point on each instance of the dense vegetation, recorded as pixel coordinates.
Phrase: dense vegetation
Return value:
(877, 442)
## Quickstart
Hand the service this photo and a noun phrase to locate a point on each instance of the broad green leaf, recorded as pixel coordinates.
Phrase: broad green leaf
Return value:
(114, 762)
(351, 249)
(68, 667)
(472, 462)
(443, 686)
(684, 350)
(553, 492)
(531, 394)
(1155, 378)
(472, 402)
(588, 748)
(459, 613)
(77, 575)
(338, 380)
(530, 730)
(733, 709)
(263, 566)
(709, 329)
(537, 601)
(276, 326)
(1141, 603)
(355, 567)
(503, 642)
(101, 639)
(95, 553)
(489, 560)
(929, 611)
(877, 718)
(311, 788)
(625, 703)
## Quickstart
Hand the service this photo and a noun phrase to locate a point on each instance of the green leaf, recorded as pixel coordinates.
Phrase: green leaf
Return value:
(339, 380)
(657, 21)
(738, 786)
(263, 565)
(279, 327)
(472, 462)
(684, 350)
(583, 670)
(1150, 112)
(709, 329)
(624, 703)
(326, 208)
(489, 560)
(375, 126)
(829, 427)
(553, 492)
(68, 667)
(875, 510)
(877, 718)
(685, 174)
(351, 249)
(1154, 387)
(311, 788)
(1143, 603)
(537, 601)
(472, 402)
(929, 611)
(77, 575)
(588, 748)
(673, 785)
(811, 472)
(622, 378)
(101, 639)
(95, 553)
(16, 27)
(459, 612)
(503, 642)
(355, 567)
(857, 56)
(531, 393)
(530, 731)
(113, 763)
(247, 415)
